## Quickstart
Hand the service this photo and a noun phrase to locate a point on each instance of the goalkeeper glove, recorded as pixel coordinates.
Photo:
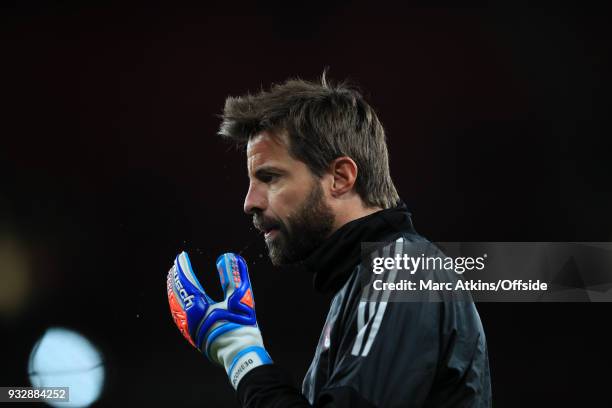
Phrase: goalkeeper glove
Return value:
(226, 332)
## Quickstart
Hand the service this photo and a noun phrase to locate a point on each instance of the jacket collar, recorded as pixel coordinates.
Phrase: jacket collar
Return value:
(333, 262)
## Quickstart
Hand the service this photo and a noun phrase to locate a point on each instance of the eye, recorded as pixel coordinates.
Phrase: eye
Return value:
(268, 177)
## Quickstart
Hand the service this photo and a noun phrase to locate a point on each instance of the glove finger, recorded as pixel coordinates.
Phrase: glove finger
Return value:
(188, 293)
(185, 279)
(176, 308)
(234, 277)
(188, 301)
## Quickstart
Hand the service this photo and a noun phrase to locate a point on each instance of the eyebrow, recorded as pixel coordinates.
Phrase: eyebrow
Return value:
(266, 170)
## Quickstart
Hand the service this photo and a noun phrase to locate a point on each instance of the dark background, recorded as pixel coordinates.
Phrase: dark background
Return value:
(496, 117)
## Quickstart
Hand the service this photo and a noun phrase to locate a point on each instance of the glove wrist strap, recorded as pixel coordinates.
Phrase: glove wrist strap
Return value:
(245, 361)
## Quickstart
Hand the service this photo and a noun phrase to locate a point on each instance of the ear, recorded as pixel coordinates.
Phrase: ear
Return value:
(344, 174)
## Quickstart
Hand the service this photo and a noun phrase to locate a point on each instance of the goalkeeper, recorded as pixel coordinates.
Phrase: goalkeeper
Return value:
(319, 186)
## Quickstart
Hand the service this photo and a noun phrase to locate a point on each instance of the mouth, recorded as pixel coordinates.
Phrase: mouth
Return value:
(270, 233)
(269, 229)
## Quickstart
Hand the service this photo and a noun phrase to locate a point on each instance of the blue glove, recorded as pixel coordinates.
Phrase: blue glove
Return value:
(226, 332)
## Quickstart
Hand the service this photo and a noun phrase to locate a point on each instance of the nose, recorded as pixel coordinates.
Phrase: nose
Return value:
(255, 199)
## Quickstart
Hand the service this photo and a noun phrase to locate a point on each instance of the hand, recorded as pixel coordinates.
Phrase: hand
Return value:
(226, 332)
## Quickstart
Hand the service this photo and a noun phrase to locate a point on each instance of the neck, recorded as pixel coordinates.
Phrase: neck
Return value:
(351, 213)
(333, 261)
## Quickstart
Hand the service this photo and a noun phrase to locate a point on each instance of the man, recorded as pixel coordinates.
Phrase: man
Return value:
(320, 187)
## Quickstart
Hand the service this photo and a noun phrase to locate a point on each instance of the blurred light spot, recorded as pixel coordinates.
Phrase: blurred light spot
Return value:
(15, 277)
(64, 358)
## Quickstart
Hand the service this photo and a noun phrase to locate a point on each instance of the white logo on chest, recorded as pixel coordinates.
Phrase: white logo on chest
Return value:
(326, 336)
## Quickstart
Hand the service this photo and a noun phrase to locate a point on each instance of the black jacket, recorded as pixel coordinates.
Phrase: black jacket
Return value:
(378, 353)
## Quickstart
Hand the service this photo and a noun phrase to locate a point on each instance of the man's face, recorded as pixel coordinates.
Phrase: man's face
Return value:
(286, 200)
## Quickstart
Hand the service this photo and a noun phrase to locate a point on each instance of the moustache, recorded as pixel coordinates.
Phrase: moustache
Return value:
(265, 224)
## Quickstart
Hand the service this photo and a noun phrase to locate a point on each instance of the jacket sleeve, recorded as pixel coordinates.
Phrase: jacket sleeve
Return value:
(270, 387)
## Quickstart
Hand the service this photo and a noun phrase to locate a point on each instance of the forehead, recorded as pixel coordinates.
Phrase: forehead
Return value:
(267, 146)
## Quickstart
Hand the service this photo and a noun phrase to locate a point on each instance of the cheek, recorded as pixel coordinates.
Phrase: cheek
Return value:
(284, 201)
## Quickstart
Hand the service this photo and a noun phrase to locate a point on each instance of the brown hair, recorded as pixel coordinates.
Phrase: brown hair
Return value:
(323, 121)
